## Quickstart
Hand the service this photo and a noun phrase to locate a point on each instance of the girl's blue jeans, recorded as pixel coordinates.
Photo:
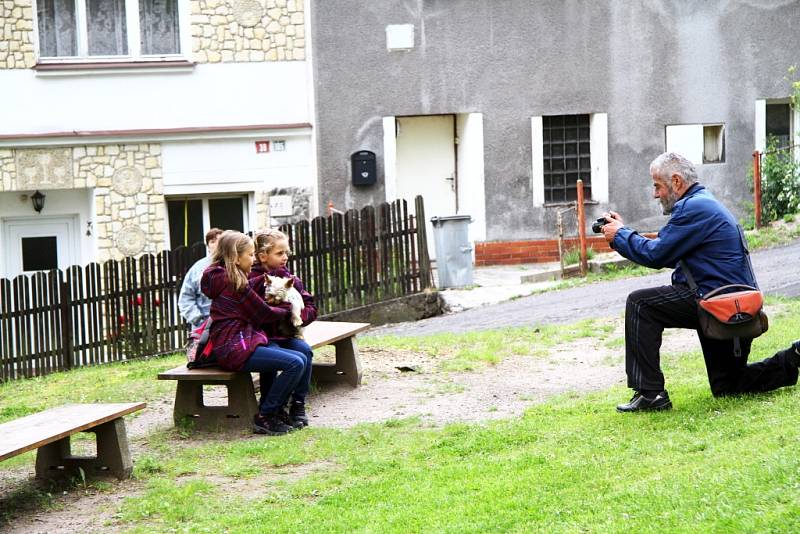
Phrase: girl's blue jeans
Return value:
(300, 347)
(267, 361)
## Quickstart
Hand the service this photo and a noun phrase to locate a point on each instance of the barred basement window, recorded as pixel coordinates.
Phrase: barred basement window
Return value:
(566, 154)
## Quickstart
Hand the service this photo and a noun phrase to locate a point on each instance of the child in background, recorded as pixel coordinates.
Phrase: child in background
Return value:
(239, 344)
(272, 252)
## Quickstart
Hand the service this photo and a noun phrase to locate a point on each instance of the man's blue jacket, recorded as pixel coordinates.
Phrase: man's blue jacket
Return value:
(703, 233)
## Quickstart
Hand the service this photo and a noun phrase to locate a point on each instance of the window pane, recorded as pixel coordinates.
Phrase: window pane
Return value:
(106, 24)
(778, 122)
(56, 28)
(226, 213)
(39, 253)
(159, 26)
(185, 222)
(713, 144)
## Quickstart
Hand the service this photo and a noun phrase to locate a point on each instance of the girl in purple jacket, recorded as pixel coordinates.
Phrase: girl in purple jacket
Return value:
(272, 252)
(239, 343)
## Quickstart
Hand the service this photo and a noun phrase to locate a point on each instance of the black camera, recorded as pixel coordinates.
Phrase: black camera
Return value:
(597, 226)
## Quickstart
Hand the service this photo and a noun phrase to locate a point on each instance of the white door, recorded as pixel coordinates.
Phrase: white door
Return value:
(426, 165)
(39, 243)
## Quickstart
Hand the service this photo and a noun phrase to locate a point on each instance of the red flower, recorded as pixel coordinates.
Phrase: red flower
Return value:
(157, 301)
(139, 300)
(121, 319)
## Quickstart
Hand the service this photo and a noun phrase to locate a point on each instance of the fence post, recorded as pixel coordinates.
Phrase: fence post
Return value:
(66, 322)
(425, 274)
(757, 187)
(582, 228)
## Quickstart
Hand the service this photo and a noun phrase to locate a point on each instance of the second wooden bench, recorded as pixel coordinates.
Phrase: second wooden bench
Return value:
(242, 406)
(50, 432)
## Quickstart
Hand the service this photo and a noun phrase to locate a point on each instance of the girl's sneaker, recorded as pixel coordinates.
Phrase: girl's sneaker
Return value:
(289, 420)
(270, 424)
(297, 414)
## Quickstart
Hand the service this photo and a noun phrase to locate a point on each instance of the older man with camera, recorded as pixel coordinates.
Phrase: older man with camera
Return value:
(705, 235)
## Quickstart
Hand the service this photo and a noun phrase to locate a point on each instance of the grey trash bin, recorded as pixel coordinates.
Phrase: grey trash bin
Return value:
(453, 250)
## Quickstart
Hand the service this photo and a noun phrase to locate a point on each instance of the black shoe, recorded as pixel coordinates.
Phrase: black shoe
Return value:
(796, 350)
(297, 414)
(270, 424)
(640, 403)
(289, 420)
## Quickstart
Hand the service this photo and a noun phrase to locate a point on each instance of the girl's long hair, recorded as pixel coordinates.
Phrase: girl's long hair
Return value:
(266, 239)
(230, 246)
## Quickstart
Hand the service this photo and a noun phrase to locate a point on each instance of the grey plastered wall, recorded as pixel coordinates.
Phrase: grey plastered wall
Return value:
(646, 64)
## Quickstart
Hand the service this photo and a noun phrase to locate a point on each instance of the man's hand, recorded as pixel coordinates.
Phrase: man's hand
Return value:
(614, 224)
(614, 215)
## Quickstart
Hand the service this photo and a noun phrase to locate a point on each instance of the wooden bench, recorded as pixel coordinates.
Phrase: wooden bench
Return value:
(50, 431)
(242, 404)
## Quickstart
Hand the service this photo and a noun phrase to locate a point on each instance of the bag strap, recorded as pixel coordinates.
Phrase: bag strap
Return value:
(729, 286)
(688, 274)
(747, 254)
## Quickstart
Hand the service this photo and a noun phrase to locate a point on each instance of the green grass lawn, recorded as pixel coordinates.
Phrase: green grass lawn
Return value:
(569, 465)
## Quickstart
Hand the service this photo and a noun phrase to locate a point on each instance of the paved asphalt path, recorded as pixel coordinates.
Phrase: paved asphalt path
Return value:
(777, 269)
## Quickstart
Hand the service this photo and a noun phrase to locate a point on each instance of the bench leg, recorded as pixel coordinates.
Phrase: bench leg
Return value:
(347, 367)
(55, 459)
(50, 459)
(237, 414)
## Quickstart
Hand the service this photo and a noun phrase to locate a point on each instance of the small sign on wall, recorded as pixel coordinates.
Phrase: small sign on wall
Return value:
(262, 147)
(279, 146)
(280, 206)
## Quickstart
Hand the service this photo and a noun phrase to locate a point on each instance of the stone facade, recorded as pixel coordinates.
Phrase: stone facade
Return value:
(129, 197)
(128, 188)
(247, 31)
(16, 34)
(232, 31)
(262, 209)
(301, 205)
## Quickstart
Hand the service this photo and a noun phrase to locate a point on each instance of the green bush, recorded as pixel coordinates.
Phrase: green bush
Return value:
(780, 183)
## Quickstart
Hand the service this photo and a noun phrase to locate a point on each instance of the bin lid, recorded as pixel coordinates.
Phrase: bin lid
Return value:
(439, 220)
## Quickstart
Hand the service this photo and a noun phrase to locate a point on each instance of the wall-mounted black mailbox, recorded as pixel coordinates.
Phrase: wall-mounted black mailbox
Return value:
(364, 168)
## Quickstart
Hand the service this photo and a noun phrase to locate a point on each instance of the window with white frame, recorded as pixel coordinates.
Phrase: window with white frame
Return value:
(191, 217)
(565, 148)
(699, 143)
(114, 29)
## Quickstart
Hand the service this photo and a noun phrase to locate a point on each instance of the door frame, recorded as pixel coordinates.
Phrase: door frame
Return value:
(469, 166)
(9, 224)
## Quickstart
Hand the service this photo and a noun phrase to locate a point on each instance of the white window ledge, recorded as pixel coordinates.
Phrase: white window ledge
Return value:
(83, 68)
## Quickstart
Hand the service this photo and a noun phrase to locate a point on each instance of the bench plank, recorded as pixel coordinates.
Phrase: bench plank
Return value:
(36, 430)
(320, 333)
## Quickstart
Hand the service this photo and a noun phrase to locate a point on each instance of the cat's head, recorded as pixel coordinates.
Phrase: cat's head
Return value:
(276, 289)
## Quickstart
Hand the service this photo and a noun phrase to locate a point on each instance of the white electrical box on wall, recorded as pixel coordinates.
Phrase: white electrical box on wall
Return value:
(280, 206)
(400, 36)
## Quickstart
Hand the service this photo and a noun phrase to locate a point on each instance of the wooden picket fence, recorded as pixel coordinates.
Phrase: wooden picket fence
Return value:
(121, 310)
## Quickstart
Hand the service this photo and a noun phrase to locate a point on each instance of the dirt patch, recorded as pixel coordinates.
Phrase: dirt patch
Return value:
(396, 384)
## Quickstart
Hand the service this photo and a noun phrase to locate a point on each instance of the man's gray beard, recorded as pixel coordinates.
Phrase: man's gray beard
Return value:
(668, 203)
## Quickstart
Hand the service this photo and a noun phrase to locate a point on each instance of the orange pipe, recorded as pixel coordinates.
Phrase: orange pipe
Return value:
(582, 228)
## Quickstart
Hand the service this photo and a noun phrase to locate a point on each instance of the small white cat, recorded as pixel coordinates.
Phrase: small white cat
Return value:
(277, 290)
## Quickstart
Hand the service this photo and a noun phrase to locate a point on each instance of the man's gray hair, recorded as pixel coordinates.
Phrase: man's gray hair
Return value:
(669, 163)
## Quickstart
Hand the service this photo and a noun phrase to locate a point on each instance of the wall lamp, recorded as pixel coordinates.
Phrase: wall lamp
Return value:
(38, 201)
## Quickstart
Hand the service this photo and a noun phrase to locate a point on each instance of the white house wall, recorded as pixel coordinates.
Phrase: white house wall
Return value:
(209, 95)
(113, 137)
(201, 166)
